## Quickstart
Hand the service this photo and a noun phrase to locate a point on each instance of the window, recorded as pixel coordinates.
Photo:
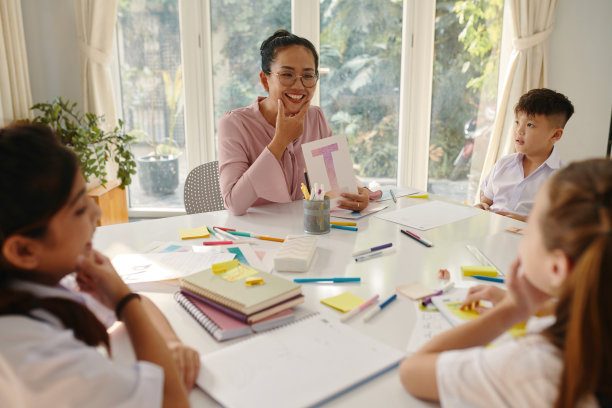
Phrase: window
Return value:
(382, 63)
(464, 95)
(151, 73)
(236, 38)
(361, 46)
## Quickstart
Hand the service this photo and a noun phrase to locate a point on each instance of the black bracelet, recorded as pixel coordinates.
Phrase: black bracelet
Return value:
(123, 302)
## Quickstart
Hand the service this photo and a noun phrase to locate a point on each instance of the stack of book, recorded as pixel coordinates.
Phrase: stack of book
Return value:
(229, 309)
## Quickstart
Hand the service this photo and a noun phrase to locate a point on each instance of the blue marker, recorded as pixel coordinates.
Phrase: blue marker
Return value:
(380, 308)
(332, 280)
(344, 227)
(488, 278)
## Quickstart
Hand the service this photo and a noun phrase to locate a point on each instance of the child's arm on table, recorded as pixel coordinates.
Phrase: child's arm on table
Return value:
(512, 215)
(485, 202)
(186, 358)
(418, 372)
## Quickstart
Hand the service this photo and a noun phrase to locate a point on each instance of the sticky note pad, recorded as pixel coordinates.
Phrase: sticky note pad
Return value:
(479, 270)
(344, 302)
(415, 290)
(253, 280)
(190, 233)
(224, 266)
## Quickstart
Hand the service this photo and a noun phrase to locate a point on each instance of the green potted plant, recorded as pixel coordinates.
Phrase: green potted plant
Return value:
(158, 172)
(93, 145)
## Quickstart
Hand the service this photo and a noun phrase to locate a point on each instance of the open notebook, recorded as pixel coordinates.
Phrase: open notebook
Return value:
(303, 364)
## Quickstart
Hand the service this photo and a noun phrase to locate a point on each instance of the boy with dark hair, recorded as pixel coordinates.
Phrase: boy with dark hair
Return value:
(511, 186)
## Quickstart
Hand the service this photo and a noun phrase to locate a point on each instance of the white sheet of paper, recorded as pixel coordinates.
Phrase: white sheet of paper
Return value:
(427, 326)
(328, 162)
(135, 268)
(429, 215)
(355, 215)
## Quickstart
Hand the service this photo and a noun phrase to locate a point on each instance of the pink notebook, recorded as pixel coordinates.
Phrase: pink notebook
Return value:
(224, 327)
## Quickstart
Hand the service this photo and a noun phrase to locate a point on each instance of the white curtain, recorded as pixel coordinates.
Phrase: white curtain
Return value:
(15, 94)
(96, 31)
(532, 21)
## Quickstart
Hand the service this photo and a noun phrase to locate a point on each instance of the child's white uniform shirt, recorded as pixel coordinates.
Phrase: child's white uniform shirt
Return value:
(43, 364)
(521, 373)
(509, 189)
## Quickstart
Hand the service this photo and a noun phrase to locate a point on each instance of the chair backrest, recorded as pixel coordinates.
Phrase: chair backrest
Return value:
(202, 191)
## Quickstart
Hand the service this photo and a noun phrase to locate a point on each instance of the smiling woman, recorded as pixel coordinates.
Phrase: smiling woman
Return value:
(260, 146)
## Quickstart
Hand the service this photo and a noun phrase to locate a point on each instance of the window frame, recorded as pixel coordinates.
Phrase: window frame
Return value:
(418, 30)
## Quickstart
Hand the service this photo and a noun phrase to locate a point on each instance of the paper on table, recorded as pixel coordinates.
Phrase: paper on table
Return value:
(429, 215)
(427, 326)
(244, 253)
(344, 302)
(399, 192)
(135, 268)
(355, 215)
(300, 365)
(328, 161)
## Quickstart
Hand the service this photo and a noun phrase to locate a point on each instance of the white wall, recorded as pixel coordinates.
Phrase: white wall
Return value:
(580, 68)
(579, 52)
(52, 48)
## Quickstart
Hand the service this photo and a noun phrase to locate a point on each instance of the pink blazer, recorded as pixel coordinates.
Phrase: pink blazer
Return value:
(249, 173)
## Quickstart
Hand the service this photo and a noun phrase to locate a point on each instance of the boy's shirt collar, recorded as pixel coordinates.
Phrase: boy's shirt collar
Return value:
(553, 161)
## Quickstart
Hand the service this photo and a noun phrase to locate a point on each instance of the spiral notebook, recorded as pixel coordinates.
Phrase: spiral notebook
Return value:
(302, 364)
(224, 327)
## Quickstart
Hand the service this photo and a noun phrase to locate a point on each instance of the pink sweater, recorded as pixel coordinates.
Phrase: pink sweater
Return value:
(249, 173)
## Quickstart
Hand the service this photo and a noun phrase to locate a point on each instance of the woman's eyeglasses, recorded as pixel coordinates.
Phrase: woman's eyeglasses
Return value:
(289, 78)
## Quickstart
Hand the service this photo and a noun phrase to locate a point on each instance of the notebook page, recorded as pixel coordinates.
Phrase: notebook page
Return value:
(301, 364)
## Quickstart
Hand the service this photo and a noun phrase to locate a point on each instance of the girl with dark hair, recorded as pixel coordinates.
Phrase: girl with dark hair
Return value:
(54, 343)
(566, 255)
(260, 146)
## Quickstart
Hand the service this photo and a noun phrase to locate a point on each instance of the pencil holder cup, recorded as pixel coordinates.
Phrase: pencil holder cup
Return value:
(316, 216)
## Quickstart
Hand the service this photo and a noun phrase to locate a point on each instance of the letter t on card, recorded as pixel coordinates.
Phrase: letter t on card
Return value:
(328, 162)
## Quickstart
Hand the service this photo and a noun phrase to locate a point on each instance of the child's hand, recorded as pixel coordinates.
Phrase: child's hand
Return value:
(482, 206)
(187, 361)
(95, 275)
(523, 297)
(489, 293)
(511, 215)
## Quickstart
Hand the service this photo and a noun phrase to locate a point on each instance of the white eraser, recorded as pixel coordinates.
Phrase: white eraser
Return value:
(296, 253)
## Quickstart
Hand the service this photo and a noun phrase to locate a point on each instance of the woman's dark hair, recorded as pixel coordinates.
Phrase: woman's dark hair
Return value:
(37, 177)
(279, 40)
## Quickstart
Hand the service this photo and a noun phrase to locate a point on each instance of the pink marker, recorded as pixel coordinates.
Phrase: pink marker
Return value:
(359, 308)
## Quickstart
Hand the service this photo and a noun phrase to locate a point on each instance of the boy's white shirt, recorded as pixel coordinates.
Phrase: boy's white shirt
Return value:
(509, 189)
(50, 364)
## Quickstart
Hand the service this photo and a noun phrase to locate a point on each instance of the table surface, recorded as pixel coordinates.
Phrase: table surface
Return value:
(407, 261)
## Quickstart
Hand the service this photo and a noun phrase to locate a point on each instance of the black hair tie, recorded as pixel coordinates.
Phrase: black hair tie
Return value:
(123, 302)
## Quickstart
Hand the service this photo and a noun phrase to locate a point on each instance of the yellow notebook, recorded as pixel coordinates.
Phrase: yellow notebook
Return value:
(235, 295)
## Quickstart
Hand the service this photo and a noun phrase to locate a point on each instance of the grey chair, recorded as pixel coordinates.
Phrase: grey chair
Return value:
(202, 190)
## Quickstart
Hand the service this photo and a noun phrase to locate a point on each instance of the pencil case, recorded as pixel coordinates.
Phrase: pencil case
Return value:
(479, 270)
(296, 253)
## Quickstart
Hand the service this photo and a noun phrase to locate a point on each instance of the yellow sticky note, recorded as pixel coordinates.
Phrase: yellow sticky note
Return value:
(190, 233)
(344, 302)
(239, 272)
(253, 280)
(224, 266)
(418, 196)
(471, 270)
